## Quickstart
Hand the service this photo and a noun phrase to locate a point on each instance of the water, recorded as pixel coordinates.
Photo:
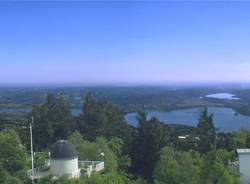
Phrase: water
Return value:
(76, 112)
(225, 119)
(227, 96)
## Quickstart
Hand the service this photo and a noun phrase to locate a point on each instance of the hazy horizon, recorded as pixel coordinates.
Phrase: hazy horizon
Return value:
(221, 85)
(124, 43)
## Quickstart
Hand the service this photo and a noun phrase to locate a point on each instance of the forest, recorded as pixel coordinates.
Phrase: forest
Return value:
(151, 153)
(129, 98)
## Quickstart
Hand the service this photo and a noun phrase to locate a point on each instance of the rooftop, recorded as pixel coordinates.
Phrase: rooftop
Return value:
(63, 149)
(245, 150)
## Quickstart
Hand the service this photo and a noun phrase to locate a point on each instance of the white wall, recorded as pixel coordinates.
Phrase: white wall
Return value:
(244, 167)
(61, 167)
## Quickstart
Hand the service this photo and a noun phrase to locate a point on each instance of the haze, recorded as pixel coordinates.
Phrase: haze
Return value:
(124, 42)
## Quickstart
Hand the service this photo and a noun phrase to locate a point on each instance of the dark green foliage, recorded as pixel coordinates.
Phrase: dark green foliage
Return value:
(96, 178)
(93, 118)
(103, 119)
(207, 132)
(225, 141)
(92, 150)
(187, 144)
(13, 158)
(12, 153)
(61, 180)
(52, 121)
(215, 168)
(176, 167)
(117, 145)
(190, 133)
(239, 138)
(248, 141)
(130, 99)
(232, 141)
(151, 136)
(129, 152)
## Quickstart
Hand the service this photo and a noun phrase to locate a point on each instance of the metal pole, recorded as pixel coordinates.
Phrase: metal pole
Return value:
(31, 148)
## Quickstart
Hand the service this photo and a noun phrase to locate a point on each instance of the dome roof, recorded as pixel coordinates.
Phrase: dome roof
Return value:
(62, 149)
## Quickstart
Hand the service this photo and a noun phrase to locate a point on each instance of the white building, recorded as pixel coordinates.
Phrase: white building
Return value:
(64, 161)
(244, 165)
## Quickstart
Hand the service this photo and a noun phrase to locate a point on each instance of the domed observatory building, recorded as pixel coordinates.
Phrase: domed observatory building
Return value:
(64, 160)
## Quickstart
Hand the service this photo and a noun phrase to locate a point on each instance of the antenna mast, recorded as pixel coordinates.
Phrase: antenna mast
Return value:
(31, 147)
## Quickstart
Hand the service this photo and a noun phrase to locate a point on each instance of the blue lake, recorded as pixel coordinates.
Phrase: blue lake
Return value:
(227, 96)
(225, 119)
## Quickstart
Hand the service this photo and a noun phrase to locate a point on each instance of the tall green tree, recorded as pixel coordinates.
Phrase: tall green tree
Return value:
(13, 158)
(151, 136)
(52, 121)
(176, 167)
(215, 168)
(117, 146)
(207, 133)
(103, 119)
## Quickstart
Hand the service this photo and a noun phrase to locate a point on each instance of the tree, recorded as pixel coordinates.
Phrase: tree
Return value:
(13, 162)
(102, 119)
(225, 141)
(12, 153)
(109, 178)
(207, 132)
(151, 136)
(248, 141)
(6, 178)
(91, 150)
(240, 138)
(92, 119)
(176, 167)
(117, 146)
(52, 121)
(61, 180)
(215, 168)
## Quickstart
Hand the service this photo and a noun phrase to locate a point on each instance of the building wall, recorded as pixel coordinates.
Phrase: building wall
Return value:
(61, 167)
(244, 167)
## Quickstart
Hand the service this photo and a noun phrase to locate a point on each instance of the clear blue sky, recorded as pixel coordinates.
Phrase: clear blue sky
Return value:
(124, 42)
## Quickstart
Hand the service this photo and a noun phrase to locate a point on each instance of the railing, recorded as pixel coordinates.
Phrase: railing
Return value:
(234, 165)
(38, 172)
(88, 166)
(91, 166)
(88, 163)
(99, 167)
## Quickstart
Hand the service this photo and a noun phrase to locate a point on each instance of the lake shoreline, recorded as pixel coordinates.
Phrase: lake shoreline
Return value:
(181, 116)
(225, 119)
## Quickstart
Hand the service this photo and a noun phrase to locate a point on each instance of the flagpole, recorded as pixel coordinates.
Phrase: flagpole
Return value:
(31, 148)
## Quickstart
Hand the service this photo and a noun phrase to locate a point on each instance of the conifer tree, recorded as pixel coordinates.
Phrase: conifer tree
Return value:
(207, 134)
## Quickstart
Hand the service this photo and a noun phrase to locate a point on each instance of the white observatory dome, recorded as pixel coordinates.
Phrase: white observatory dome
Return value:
(64, 160)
